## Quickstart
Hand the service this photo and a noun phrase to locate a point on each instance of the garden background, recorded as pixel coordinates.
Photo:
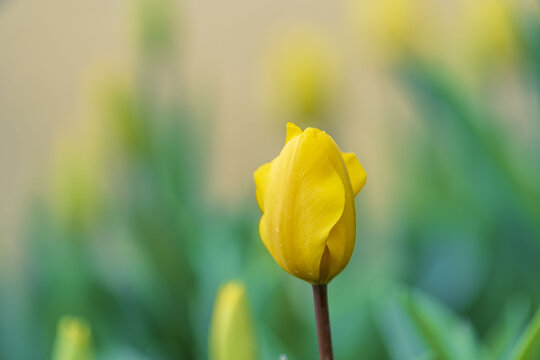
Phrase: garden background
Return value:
(130, 130)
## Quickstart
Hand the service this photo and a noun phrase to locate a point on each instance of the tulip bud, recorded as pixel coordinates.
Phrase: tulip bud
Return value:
(232, 336)
(490, 34)
(394, 27)
(73, 340)
(306, 196)
(77, 178)
(156, 24)
(302, 71)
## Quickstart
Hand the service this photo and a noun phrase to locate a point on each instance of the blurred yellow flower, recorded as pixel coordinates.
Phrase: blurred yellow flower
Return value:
(77, 178)
(232, 334)
(301, 74)
(306, 196)
(395, 27)
(489, 32)
(73, 340)
(156, 22)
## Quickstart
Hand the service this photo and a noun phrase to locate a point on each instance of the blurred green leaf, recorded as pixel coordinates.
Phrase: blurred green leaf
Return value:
(528, 346)
(440, 93)
(445, 335)
(399, 334)
(503, 335)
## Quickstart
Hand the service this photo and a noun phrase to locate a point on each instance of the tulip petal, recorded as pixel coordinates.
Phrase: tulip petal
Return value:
(292, 131)
(306, 198)
(357, 175)
(340, 241)
(261, 178)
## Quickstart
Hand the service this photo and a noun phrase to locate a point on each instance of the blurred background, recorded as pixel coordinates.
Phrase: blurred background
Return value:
(130, 130)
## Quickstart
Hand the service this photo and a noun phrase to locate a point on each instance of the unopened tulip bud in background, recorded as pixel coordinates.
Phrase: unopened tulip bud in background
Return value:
(301, 71)
(394, 28)
(490, 35)
(77, 178)
(73, 340)
(232, 334)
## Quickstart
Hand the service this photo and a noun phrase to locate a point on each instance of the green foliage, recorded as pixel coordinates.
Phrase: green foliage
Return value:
(416, 326)
(507, 327)
(446, 336)
(471, 212)
(421, 327)
(528, 346)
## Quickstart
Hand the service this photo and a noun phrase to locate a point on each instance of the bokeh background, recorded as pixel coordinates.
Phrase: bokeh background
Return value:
(130, 130)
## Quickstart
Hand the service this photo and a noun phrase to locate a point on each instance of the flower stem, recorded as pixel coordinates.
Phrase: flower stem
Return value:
(320, 299)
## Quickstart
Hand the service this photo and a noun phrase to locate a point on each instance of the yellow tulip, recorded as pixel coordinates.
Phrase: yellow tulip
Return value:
(156, 22)
(394, 27)
(76, 182)
(232, 335)
(73, 340)
(306, 196)
(490, 32)
(302, 72)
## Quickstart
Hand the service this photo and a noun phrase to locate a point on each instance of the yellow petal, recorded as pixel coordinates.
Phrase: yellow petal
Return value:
(261, 176)
(307, 200)
(341, 240)
(292, 131)
(357, 175)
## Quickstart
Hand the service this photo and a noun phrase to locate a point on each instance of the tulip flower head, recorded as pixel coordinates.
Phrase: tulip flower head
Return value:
(306, 195)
